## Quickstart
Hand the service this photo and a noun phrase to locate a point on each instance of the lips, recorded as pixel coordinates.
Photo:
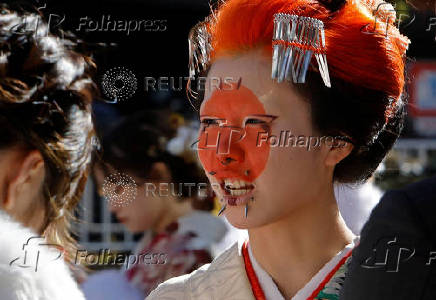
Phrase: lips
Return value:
(121, 219)
(237, 187)
(236, 191)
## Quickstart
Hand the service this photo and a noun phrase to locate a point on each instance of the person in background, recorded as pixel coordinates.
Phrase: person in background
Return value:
(396, 256)
(46, 133)
(172, 205)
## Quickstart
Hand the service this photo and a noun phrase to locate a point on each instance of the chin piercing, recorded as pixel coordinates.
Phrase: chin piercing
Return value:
(246, 210)
(222, 209)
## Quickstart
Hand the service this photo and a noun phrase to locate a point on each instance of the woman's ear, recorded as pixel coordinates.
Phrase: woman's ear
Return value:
(25, 184)
(339, 149)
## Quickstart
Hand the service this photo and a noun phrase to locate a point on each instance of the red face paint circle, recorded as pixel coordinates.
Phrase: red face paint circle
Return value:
(230, 144)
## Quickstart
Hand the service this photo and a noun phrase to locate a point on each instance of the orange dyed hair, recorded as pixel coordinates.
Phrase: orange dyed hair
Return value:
(360, 49)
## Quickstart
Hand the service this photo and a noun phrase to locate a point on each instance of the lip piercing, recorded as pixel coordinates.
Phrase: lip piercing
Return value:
(212, 173)
(252, 199)
(247, 172)
(246, 210)
(222, 209)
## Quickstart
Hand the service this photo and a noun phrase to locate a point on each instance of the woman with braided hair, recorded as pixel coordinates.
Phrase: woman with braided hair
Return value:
(46, 134)
(315, 99)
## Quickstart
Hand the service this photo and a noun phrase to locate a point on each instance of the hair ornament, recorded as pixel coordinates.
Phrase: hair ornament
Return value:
(199, 49)
(295, 40)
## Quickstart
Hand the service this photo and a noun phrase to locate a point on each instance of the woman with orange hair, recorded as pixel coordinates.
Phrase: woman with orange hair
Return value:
(299, 95)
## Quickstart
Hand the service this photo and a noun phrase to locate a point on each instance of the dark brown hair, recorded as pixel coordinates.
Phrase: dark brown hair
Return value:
(45, 104)
(140, 140)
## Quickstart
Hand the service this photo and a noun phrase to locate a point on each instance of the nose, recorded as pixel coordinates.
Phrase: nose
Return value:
(113, 207)
(229, 147)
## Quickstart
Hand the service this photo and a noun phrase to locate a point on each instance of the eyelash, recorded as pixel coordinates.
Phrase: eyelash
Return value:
(209, 121)
(251, 121)
(254, 121)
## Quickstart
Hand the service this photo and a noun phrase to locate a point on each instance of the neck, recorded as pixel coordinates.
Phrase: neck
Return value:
(293, 249)
(172, 213)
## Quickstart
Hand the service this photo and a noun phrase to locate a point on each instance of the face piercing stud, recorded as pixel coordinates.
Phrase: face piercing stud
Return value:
(252, 199)
(222, 209)
(227, 160)
(247, 172)
(246, 210)
(212, 173)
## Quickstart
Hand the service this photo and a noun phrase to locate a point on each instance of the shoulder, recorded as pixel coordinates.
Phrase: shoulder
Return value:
(116, 286)
(224, 278)
(408, 210)
(394, 257)
(419, 193)
(29, 269)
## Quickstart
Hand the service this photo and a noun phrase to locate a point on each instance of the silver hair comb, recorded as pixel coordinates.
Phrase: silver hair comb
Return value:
(199, 49)
(295, 40)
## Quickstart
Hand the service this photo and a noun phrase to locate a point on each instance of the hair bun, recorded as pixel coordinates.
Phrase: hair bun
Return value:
(385, 15)
(381, 10)
(333, 5)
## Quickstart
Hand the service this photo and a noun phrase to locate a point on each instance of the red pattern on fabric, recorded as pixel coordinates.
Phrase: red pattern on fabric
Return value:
(178, 259)
(329, 276)
(254, 281)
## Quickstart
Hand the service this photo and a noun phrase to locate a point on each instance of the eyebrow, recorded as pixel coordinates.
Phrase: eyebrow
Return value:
(253, 115)
(268, 116)
(219, 119)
